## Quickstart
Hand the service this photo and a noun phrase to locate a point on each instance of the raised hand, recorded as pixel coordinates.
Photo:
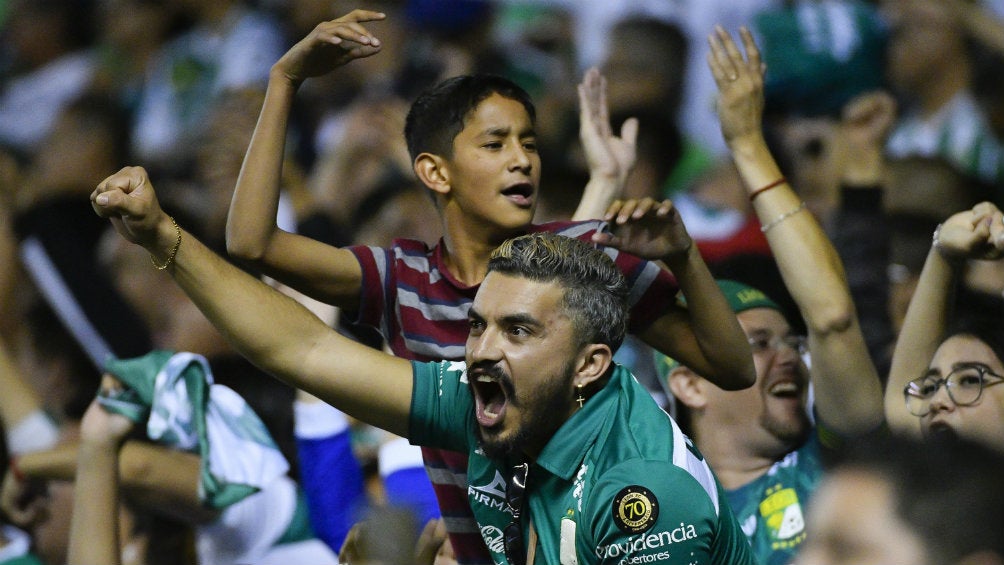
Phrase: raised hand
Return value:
(127, 199)
(740, 84)
(646, 228)
(972, 234)
(330, 45)
(606, 154)
(101, 427)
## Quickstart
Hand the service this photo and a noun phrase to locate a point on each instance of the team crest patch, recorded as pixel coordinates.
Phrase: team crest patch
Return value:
(635, 509)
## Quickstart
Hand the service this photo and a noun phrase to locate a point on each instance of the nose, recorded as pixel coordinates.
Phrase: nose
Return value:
(941, 401)
(520, 158)
(785, 353)
(483, 347)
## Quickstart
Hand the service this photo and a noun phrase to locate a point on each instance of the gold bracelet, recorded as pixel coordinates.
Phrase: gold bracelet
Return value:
(783, 217)
(174, 250)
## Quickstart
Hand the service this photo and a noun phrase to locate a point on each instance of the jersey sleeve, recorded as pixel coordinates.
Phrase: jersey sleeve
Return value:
(656, 512)
(441, 406)
(377, 284)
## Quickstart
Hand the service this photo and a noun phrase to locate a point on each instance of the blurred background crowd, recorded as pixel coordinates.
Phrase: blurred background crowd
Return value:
(88, 86)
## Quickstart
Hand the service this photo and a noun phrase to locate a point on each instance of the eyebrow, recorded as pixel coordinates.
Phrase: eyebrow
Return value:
(502, 131)
(521, 318)
(934, 371)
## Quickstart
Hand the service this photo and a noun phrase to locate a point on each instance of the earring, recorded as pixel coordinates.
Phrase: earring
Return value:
(580, 399)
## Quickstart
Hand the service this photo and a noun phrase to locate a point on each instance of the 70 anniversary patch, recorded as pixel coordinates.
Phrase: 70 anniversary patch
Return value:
(635, 509)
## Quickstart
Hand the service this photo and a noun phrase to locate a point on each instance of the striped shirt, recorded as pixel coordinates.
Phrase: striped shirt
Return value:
(421, 309)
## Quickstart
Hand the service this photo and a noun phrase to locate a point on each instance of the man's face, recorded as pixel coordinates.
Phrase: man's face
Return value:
(520, 357)
(853, 520)
(494, 172)
(774, 408)
(982, 421)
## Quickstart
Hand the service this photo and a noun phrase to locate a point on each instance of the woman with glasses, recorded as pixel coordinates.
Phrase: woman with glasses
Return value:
(945, 372)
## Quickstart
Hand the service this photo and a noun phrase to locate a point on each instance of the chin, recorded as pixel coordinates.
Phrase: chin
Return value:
(497, 445)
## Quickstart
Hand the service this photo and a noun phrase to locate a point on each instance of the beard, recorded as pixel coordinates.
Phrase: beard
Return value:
(540, 416)
(791, 431)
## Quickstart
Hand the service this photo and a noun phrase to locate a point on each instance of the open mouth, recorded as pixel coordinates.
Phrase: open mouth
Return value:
(521, 194)
(490, 398)
(942, 430)
(785, 389)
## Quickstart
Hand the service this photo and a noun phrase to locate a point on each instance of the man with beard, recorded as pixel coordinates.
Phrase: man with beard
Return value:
(766, 442)
(570, 459)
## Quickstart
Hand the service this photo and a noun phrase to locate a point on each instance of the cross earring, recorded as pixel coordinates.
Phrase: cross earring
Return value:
(580, 399)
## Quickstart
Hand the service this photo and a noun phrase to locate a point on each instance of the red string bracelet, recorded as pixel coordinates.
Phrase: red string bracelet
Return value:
(762, 189)
(16, 471)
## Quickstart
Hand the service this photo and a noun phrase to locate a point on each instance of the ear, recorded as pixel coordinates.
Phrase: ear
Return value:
(687, 387)
(433, 171)
(592, 363)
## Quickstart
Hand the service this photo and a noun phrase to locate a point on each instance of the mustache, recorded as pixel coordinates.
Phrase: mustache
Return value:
(493, 370)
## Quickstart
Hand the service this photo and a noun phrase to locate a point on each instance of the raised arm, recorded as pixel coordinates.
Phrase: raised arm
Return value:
(270, 329)
(610, 158)
(971, 234)
(704, 335)
(94, 531)
(318, 270)
(847, 387)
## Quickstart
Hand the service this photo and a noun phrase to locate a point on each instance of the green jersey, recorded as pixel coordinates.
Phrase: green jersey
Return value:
(771, 508)
(619, 483)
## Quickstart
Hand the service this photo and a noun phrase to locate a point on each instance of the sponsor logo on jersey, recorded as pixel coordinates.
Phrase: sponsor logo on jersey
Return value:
(635, 509)
(494, 538)
(652, 541)
(491, 495)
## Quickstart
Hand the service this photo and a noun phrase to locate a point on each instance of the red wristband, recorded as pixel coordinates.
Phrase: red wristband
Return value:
(16, 471)
(762, 189)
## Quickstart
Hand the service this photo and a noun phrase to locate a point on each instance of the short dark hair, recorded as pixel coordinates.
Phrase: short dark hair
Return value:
(948, 490)
(596, 292)
(438, 114)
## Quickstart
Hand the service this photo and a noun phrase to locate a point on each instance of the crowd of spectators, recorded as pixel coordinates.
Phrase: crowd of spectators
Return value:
(886, 117)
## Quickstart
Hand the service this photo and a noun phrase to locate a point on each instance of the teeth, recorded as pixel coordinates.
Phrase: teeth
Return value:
(485, 379)
(490, 414)
(784, 388)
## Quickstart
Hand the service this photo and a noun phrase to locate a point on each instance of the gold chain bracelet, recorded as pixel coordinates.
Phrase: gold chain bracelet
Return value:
(174, 250)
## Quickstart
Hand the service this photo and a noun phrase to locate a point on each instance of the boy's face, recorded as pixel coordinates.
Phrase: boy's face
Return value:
(494, 172)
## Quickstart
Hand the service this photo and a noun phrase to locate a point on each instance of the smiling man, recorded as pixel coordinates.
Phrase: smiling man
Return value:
(766, 442)
(570, 458)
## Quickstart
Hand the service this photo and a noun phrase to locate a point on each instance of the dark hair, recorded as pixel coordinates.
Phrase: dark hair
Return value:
(438, 115)
(595, 289)
(984, 328)
(948, 490)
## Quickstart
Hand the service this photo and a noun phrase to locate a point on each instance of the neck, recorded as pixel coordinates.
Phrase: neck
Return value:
(736, 462)
(467, 247)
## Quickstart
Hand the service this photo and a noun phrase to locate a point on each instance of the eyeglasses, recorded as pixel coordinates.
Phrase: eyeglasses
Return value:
(964, 385)
(512, 536)
(763, 344)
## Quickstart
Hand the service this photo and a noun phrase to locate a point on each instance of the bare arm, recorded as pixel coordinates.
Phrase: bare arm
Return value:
(705, 335)
(610, 158)
(970, 234)
(318, 270)
(94, 531)
(273, 331)
(848, 390)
